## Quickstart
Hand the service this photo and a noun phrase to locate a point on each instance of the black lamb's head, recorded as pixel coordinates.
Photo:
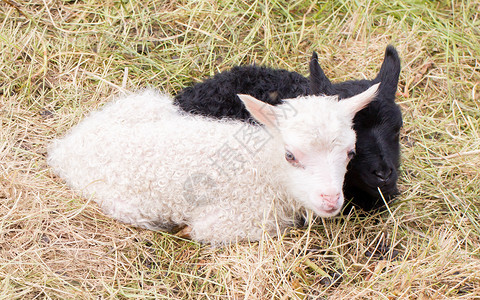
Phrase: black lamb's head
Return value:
(377, 160)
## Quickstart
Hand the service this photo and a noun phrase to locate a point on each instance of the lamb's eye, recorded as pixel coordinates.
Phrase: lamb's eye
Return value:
(293, 160)
(290, 157)
(351, 154)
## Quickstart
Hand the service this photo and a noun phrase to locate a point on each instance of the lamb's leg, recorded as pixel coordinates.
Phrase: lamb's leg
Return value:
(184, 233)
(217, 225)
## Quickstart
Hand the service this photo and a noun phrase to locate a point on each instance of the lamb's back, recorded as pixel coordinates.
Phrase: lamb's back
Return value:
(160, 170)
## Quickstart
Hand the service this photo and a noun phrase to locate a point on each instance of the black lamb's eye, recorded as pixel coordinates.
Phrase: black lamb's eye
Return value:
(351, 154)
(289, 156)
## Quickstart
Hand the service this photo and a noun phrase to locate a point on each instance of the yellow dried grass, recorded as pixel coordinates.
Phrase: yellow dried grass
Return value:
(61, 59)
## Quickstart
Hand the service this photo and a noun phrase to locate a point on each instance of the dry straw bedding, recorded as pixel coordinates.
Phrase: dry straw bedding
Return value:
(61, 59)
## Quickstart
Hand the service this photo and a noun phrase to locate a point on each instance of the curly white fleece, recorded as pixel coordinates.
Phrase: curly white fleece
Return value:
(149, 165)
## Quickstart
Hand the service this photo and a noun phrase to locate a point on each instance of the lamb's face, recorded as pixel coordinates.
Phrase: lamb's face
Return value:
(316, 154)
(317, 140)
(377, 162)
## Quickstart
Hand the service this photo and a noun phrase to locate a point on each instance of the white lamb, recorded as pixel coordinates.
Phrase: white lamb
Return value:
(147, 164)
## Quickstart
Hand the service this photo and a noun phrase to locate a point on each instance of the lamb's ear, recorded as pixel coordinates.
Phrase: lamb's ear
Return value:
(261, 111)
(388, 74)
(356, 103)
(319, 83)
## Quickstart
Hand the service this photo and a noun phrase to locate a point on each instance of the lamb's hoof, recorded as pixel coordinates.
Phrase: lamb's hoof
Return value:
(184, 233)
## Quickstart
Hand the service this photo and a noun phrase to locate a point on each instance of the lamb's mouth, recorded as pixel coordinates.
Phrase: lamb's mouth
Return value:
(325, 213)
(330, 211)
(387, 190)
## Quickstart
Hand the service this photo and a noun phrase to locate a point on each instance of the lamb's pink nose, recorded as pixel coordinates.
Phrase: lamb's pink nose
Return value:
(331, 201)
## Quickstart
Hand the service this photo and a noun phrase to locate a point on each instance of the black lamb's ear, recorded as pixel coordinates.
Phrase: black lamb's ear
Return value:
(389, 74)
(319, 83)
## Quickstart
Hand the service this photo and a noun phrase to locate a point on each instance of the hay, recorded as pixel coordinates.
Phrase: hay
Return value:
(61, 59)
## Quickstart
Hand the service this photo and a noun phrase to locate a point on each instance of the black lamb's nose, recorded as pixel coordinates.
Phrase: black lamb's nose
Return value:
(383, 175)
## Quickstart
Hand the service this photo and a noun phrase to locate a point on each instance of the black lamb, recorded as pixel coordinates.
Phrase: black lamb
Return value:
(377, 160)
